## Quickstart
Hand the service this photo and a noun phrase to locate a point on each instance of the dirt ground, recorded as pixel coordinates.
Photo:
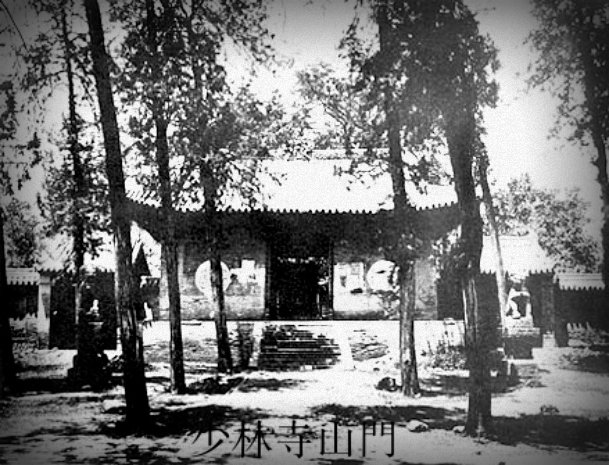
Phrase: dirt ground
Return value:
(556, 413)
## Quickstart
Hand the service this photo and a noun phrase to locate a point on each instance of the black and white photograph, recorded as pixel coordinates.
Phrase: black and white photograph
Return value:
(336, 232)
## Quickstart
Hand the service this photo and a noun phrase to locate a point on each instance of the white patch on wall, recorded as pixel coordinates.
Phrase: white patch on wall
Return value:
(349, 276)
(382, 276)
(248, 269)
(203, 277)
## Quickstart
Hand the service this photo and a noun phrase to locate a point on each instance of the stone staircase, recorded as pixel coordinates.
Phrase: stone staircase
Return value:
(287, 347)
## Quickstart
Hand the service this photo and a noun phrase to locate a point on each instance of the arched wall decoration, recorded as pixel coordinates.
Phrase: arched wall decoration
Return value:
(203, 277)
(382, 276)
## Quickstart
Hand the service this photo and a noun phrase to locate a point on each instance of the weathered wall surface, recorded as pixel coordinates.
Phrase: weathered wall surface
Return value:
(583, 306)
(244, 277)
(362, 286)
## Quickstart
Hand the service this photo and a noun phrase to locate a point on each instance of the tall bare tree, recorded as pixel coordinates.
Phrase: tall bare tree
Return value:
(136, 397)
(403, 210)
(57, 59)
(482, 163)
(431, 75)
(461, 86)
(16, 161)
(176, 350)
(205, 127)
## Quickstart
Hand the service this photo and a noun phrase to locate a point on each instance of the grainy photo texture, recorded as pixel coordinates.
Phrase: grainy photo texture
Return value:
(333, 232)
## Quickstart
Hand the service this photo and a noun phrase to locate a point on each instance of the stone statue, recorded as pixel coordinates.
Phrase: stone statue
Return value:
(519, 299)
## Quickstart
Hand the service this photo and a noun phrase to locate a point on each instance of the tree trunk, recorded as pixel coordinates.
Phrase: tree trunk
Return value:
(599, 141)
(7, 360)
(176, 350)
(479, 419)
(225, 361)
(210, 192)
(403, 239)
(499, 268)
(408, 358)
(478, 332)
(79, 187)
(136, 397)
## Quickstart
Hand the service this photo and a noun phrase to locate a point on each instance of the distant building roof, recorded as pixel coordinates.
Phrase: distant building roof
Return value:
(22, 277)
(572, 281)
(56, 254)
(522, 255)
(313, 185)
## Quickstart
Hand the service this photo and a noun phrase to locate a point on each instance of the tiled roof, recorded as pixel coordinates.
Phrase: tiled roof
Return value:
(22, 277)
(314, 185)
(522, 255)
(572, 281)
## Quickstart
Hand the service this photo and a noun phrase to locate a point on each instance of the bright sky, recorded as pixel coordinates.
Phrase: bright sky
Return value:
(517, 139)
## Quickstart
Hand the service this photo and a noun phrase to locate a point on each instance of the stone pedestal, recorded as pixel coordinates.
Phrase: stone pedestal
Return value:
(521, 337)
(43, 315)
(548, 340)
(90, 364)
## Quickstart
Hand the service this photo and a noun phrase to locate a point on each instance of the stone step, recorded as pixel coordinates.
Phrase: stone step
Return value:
(285, 347)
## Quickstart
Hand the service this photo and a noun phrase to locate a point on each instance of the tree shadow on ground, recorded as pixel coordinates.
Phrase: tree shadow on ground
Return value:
(536, 430)
(172, 419)
(454, 385)
(435, 417)
(170, 422)
(53, 385)
(553, 430)
(203, 351)
(64, 385)
(37, 385)
(440, 384)
(269, 384)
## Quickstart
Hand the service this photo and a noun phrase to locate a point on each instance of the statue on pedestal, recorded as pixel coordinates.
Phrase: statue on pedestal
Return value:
(519, 300)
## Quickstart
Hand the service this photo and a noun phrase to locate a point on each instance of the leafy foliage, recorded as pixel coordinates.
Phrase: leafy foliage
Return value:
(209, 124)
(558, 218)
(447, 356)
(435, 50)
(357, 127)
(568, 30)
(76, 189)
(15, 162)
(437, 67)
(20, 227)
(573, 38)
(58, 206)
(354, 120)
(44, 56)
(433, 72)
(16, 158)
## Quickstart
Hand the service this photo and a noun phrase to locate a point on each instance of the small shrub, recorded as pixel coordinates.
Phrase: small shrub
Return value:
(447, 357)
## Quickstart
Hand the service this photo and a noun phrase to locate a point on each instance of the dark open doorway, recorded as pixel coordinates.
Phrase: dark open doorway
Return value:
(300, 287)
(300, 277)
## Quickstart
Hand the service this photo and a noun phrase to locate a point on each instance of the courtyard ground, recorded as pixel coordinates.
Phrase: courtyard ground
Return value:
(556, 413)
